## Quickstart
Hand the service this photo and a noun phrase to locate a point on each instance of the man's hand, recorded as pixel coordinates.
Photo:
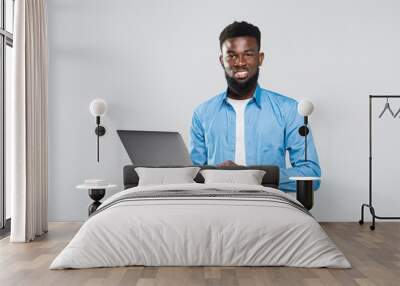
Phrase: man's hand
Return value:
(227, 163)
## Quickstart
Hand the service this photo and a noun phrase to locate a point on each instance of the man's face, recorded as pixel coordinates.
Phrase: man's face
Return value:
(240, 58)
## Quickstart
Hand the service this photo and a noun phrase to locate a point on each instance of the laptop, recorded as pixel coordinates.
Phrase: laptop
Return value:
(155, 148)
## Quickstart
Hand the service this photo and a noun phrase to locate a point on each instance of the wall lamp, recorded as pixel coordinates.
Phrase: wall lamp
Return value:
(98, 107)
(304, 188)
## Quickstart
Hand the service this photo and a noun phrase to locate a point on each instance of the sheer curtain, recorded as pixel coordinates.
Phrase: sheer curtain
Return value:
(28, 121)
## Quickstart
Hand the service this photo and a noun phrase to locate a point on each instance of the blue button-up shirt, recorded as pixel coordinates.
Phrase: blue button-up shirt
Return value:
(271, 128)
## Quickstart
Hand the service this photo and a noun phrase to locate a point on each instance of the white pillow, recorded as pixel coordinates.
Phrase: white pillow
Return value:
(164, 176)
(249, 177)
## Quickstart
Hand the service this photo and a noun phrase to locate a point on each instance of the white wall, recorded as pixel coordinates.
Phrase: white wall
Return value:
(155, 61)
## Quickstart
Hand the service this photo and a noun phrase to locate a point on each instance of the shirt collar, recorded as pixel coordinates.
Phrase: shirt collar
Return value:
(256, 96)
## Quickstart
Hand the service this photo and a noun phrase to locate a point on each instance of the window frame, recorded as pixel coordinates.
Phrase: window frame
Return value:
(6, 39)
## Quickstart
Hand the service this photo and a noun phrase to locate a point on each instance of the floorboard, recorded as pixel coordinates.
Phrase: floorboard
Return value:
(374, 255)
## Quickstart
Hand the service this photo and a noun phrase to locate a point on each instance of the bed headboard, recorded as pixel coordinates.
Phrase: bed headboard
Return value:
(270, 179)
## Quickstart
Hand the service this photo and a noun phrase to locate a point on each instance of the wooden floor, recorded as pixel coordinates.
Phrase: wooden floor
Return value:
(375, 257)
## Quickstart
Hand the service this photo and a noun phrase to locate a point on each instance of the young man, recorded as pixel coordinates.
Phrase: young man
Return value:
(246, 124)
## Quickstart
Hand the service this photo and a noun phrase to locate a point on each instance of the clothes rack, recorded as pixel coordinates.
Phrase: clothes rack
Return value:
(370, 205)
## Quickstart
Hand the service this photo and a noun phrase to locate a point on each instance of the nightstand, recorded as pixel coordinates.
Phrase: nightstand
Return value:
(96, 193)
(304, 190)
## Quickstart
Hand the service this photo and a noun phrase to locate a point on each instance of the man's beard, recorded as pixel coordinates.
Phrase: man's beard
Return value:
(242, 88)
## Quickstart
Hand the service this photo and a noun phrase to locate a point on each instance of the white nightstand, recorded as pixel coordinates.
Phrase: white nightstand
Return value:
(304, 190)
(96, 191)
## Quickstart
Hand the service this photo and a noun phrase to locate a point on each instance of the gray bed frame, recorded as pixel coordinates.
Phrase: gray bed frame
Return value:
(270, 179)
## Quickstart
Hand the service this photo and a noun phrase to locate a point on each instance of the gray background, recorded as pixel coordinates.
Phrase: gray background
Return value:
(155, 61)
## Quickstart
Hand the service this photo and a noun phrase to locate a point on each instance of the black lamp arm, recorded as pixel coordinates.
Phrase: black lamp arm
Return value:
(305, 137)
(303, 131)
(100, 131)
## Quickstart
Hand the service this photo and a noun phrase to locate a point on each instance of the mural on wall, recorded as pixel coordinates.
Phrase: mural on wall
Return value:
(160, 66)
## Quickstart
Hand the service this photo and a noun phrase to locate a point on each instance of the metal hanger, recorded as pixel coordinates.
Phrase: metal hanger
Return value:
(397, 113)
(387, 107)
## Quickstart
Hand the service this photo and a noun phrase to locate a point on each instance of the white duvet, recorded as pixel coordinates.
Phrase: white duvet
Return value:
(200, 231)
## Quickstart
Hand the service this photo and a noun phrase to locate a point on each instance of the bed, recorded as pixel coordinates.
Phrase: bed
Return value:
(201, 224)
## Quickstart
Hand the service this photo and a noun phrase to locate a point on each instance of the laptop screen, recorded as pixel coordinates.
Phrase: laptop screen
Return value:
(155, 148)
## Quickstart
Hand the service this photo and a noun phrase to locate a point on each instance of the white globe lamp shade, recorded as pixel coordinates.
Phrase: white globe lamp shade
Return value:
(305, 108)
(98, 107)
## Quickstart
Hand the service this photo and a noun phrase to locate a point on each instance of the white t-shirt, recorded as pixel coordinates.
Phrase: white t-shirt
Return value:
(239, 105)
